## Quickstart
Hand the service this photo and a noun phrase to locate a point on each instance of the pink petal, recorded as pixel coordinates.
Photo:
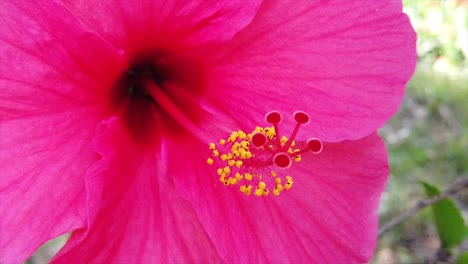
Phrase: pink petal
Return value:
(172, 24)
(42, 192)
(141, 218)
(345, 63)
(49, 112)
(328, 216)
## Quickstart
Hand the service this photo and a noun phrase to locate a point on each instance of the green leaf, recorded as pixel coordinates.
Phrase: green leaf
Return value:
(449, 221)
(462, 259)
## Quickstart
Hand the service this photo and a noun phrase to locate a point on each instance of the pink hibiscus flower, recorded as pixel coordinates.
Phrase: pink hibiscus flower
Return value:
(109, 108)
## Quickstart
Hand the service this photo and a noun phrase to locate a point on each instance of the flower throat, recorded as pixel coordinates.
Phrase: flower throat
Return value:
(157, 94)
(259, 161)
(134, 99)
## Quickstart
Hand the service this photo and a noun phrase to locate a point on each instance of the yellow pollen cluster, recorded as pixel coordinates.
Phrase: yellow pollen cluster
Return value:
(241, 163)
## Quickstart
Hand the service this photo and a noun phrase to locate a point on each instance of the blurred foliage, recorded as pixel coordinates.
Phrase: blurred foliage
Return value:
(428, 138)
(463, 259)
(448, 219)
(442, 27)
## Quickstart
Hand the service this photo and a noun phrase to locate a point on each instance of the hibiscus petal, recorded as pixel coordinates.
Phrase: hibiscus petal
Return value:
(345, 63)
(141, 217)
(171, 24)
(42, 191)
(328, 216)
(48, 115)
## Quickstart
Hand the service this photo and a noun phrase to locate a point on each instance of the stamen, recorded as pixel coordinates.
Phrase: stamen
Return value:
(259, 161)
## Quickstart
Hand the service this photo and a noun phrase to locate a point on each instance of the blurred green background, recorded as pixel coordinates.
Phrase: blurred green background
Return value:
(428, 138)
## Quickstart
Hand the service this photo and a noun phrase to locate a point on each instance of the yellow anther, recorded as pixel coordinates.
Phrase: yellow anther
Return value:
(236, 153)
(227, 170)
(232, 137)
(258, 129)
(220, 171)
(231, 163)
(279, 187)
(248, 176)
(245, 144)
(297, 158)
(261, 185)
(243, 150)
(289, 182)
(222, 141)
(283, 140)
(242, 153)
(278, 180)
(210, 161)
(215, 153)
(293, 143)
(235, 147)
(246, 189)
(258, 192)
(276, 192)
(238, 176)
(273, 174)
(239, 163)
(212, 146)
(229, 156)
(232, 181)
(241, 134)
(269, 132)
(265, 192)
(224, 157)
(246, 155)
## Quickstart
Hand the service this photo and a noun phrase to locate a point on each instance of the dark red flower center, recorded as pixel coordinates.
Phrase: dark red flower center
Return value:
(158, 94)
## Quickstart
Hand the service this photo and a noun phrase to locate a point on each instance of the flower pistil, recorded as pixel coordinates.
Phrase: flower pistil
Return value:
(259, 161)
